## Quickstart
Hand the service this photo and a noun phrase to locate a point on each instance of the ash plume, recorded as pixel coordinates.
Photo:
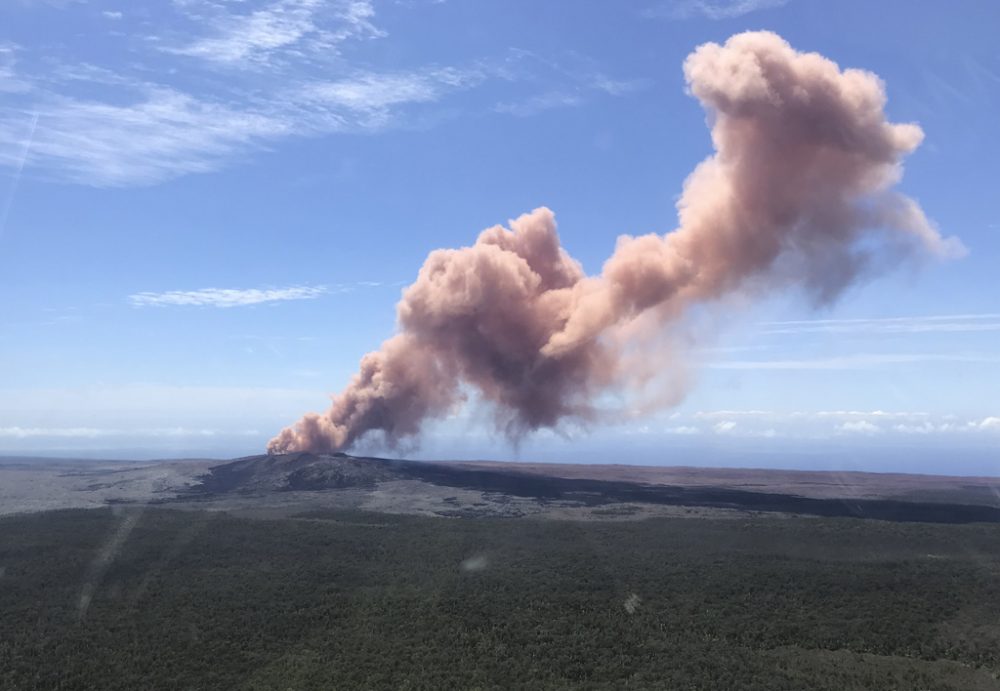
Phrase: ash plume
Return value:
(797, 194)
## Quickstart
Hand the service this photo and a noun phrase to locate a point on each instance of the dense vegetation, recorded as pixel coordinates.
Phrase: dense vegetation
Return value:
(158, 599)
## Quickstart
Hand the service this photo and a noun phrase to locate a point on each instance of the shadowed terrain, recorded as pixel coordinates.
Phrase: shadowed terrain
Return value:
(279, 485)
(310, 472)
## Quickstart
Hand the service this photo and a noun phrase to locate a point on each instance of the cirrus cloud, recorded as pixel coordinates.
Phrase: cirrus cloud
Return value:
(226, 297)
(222, 81)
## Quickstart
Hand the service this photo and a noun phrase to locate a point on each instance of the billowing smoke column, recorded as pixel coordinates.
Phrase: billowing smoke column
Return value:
(798, 193)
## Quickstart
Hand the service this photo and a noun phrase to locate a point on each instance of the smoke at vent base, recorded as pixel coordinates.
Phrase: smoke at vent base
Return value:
(798, 193)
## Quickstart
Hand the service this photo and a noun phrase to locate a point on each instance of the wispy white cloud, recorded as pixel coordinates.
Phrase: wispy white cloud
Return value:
(812, 414)
(735, 429)
(710, 9)
(226, 297)
(162, 134)
(672, 430)
(814, 429)
(156, 133)
(824, 424)
(683, 430)
(19, 168)
(859, 427)
(10, 81)
(374, 92)
(617, 87)
(856, 361)
(931, 427)
(130, 415)
(368, 100)
(584, 87)
(532, 105)
(240, 78)
(888, 325)
(159, 133)
(724, 426)
(112, 14)
(281, 30)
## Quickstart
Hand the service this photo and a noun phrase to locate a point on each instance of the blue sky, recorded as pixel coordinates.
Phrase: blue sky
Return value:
(208, 209)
